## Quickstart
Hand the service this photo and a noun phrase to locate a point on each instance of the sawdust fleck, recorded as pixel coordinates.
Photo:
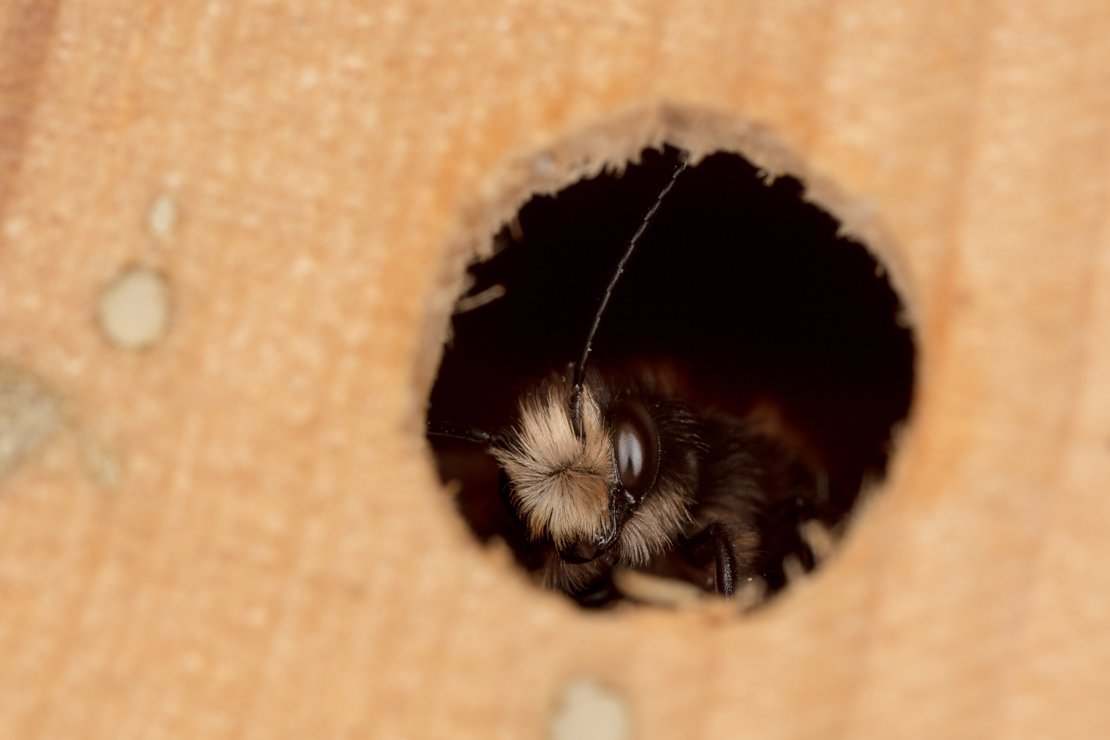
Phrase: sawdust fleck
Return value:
(162, 216)
(657, 591)
(477, 300)
(102, 462)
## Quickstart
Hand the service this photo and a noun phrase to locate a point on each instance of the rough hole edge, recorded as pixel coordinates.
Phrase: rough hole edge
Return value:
(612, 145)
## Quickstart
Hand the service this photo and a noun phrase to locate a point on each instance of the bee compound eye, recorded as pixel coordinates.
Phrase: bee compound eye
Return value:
(635, 447)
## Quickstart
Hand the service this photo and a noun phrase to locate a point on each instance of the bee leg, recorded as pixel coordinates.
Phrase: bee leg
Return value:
(726, 558)
(713, 544)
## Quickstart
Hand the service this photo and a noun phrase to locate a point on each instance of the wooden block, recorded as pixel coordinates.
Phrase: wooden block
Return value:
(232, 528)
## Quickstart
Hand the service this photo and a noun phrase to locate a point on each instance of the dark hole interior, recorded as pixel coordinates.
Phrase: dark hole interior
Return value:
(739, 283)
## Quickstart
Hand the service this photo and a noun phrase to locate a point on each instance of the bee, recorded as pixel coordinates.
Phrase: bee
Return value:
(605, 470)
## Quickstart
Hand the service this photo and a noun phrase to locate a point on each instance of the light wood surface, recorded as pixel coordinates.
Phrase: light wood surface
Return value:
(233, 529)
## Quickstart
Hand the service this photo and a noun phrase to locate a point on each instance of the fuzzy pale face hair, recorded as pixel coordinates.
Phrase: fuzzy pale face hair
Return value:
(659, 521)
(649, 532)
(561, 483)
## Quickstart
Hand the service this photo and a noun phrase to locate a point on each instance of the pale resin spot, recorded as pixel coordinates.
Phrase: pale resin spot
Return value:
(134, 310)
(588, 710)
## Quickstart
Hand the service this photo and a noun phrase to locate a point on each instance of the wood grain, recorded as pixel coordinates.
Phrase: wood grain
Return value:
(238, 531)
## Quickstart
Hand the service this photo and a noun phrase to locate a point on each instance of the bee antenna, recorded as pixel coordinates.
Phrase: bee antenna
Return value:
(454, 431)
(580, 366)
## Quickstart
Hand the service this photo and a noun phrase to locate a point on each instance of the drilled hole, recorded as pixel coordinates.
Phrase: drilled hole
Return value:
(744, 294)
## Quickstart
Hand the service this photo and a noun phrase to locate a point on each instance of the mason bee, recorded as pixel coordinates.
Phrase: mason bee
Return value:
(621, 466)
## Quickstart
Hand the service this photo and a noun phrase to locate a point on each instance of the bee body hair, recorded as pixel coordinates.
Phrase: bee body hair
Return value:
(622, 468)
(717, 473)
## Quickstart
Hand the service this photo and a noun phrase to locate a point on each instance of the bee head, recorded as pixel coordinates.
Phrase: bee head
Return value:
(598, 486)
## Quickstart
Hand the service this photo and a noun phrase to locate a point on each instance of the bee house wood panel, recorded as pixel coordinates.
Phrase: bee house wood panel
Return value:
(231, 239)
